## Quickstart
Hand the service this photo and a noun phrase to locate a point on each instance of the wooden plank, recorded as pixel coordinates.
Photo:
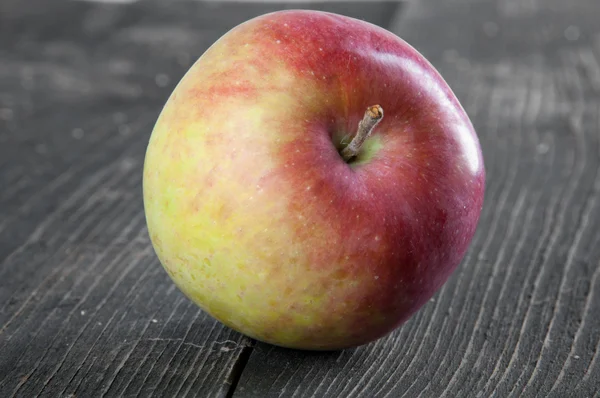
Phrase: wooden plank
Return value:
(519, 317)
(85, 308)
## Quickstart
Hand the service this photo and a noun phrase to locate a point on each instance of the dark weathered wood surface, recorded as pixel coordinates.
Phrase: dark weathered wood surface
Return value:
(86, 310)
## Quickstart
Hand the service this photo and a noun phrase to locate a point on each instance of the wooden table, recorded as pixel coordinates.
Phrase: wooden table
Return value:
(86, 310)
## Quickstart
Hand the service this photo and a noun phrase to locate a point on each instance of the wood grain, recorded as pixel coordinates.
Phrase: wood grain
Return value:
(519, 317)
(85, 308)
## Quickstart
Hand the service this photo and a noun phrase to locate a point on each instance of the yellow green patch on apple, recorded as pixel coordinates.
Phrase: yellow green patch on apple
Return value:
(312, 181)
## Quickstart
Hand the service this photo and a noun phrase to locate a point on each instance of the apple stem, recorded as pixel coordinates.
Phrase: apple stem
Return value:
(373, 115)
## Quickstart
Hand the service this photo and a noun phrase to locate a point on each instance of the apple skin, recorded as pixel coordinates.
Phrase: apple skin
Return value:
(256, 217)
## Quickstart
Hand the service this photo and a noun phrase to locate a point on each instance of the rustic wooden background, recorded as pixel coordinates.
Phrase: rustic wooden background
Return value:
(86, 310)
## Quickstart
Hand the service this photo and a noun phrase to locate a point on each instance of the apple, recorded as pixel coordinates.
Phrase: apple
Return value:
(312, 181)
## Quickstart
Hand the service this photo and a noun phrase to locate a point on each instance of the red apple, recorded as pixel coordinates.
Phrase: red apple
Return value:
(259, 219)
